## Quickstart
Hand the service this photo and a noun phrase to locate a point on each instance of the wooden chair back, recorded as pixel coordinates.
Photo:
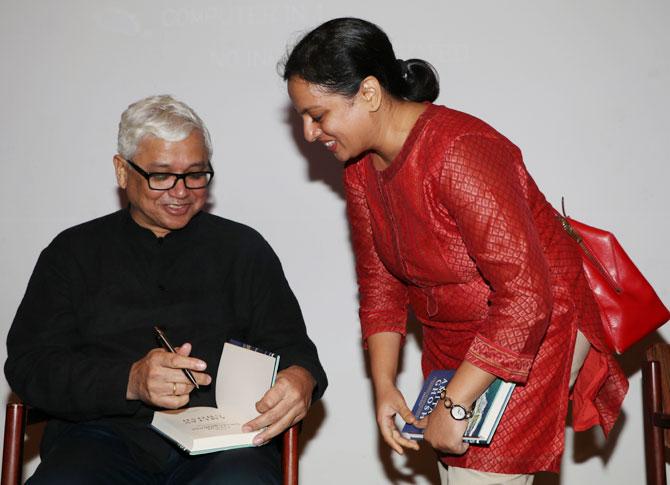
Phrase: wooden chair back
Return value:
(656, 405)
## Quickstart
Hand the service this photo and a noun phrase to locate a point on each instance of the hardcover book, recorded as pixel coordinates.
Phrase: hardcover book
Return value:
(245, 374)
(486, 415)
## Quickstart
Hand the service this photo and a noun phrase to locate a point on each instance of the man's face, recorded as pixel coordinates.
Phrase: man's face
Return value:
(163, 211)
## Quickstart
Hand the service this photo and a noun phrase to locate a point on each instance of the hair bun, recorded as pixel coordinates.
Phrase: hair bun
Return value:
(421, 80)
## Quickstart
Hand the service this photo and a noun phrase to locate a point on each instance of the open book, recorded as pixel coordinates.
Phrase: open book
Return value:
(486, 415)
(244, 375)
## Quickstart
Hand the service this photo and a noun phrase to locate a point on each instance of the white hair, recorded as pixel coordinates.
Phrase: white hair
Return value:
(161, 116)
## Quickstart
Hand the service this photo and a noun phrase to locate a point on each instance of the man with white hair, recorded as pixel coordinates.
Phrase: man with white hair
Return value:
(81, 347)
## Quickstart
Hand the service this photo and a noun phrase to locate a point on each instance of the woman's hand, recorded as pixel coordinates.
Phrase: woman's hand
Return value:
(390, 402)
(444, 433)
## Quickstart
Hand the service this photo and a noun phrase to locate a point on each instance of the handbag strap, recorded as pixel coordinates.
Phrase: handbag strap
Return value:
(572, 232)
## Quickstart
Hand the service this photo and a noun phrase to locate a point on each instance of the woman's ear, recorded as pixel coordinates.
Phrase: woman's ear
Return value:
(370, 92)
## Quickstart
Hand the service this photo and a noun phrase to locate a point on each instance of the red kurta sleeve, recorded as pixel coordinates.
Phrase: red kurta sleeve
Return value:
(483, 184)
(383, 298)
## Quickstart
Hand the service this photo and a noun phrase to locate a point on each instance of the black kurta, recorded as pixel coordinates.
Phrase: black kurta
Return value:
(99, 288)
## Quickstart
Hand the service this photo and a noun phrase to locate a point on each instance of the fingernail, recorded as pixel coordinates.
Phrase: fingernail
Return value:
(246, 429)
(258, 441)
(200, 365)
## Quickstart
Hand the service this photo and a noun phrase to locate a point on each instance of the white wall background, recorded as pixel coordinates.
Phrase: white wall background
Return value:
(581, 87)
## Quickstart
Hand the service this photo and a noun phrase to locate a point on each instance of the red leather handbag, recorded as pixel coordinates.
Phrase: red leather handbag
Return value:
(629, 306)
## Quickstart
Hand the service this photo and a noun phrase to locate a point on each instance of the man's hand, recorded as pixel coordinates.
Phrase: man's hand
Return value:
(390, 402)
(157, 378)
(286, 403)
(444, 433)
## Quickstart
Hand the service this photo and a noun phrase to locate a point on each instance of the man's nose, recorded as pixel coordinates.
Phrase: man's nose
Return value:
(179, 189)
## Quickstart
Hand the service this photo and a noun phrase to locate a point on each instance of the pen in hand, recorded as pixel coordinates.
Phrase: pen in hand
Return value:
(167, 346)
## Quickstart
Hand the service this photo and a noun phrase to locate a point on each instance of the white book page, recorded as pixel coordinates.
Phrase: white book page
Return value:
(244, 376)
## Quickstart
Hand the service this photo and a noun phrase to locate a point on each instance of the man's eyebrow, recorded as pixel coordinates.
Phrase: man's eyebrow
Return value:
(161, 164)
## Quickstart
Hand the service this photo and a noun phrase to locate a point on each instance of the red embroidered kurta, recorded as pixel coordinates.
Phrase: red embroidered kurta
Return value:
(457, 228)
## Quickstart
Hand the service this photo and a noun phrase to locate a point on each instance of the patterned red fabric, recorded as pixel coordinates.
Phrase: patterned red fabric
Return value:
(457, 228)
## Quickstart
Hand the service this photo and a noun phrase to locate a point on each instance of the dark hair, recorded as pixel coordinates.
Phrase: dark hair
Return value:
(342, 52)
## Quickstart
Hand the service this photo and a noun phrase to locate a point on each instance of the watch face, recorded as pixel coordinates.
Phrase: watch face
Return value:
(457, 412)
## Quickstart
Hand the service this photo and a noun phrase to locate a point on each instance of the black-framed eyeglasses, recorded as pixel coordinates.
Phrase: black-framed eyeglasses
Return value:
(167, 180)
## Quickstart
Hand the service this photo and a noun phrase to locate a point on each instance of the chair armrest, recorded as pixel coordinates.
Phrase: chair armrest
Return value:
(12, 453)
(290, 455)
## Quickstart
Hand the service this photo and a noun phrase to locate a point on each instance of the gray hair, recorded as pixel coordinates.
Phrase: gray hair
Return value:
(161, 116)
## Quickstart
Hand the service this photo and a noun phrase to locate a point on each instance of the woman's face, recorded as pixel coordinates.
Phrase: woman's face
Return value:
(341, 123)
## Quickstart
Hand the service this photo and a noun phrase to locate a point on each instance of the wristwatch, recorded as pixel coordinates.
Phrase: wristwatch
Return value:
(458, 412)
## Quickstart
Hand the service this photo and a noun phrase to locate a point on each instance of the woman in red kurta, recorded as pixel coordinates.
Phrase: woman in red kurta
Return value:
(446, 219)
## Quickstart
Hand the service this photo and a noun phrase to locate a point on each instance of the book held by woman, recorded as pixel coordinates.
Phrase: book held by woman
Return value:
(486, 413)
